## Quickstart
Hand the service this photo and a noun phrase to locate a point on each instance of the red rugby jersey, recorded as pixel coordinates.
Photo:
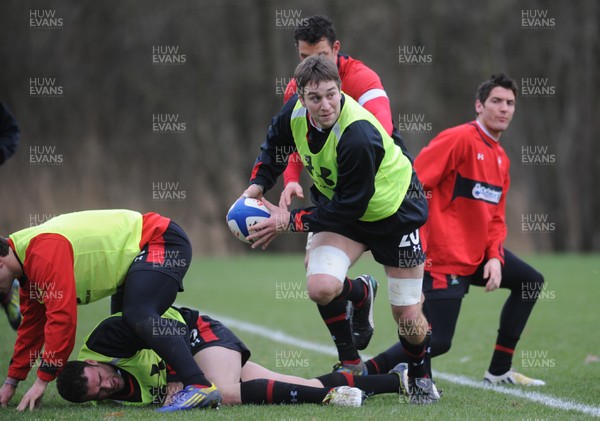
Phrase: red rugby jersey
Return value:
(465, 174)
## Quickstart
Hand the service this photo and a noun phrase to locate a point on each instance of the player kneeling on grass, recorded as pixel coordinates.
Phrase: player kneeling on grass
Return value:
(113, 365)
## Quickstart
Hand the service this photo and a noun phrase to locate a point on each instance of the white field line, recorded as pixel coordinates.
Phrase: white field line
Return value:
(542, 399)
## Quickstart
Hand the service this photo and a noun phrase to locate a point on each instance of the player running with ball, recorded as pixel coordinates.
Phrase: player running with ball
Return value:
(366, 197)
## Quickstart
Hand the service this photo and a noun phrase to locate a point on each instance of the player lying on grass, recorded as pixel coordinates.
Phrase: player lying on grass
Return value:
(114, 365)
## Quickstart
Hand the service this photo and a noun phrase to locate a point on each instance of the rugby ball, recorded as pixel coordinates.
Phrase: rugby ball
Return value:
(243, 214)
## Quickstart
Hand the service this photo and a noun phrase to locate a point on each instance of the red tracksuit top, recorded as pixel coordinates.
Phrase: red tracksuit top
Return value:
(465, 174)
(362, 84)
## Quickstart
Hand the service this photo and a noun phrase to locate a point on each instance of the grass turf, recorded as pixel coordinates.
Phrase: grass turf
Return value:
(560, 343)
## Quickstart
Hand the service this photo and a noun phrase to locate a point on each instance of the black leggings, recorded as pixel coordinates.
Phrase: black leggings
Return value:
(146, 296)
(522, 280)
(150, 288)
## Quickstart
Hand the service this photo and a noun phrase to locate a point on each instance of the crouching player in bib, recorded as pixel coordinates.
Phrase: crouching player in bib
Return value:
(113, 365)
(81, 257)
(366, 197)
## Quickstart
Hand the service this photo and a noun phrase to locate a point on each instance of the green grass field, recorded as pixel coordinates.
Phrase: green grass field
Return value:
(561, 344)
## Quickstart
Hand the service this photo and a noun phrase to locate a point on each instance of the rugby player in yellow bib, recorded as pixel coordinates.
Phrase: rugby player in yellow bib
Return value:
(366, 197)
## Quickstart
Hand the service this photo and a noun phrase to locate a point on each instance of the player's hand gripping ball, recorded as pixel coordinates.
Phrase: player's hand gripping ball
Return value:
(243, 214)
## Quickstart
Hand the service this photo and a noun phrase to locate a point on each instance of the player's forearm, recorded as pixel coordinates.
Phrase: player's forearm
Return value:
(59, 331)
(326, 215)
(29, 341)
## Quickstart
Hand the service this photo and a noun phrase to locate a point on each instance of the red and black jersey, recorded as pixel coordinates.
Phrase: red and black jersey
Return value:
(465, 174)
(364, 86)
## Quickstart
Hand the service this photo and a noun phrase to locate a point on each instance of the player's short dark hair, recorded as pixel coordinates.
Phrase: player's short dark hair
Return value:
(483, 91)
(71, 383)
(314, 29)
(3, 247)
(316, 69)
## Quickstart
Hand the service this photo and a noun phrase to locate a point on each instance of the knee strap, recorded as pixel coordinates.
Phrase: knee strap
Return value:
(404, 292)
(328, 260)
